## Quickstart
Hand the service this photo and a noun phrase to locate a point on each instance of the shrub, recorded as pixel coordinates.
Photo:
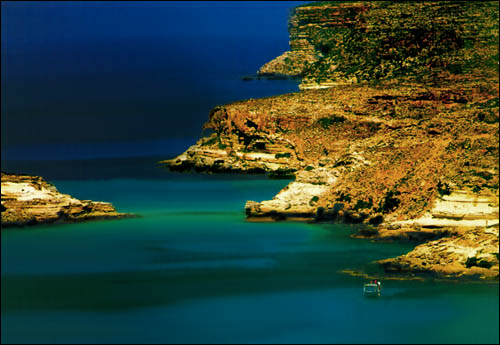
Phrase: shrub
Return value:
(313, 200)
(363, 204)
(443, 189)
(474, 261)
(390, 202)
(344, 197)
(282, 155)
(210, 141)
(326, 122)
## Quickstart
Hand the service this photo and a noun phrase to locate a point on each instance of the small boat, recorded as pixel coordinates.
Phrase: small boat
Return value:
(372, 290)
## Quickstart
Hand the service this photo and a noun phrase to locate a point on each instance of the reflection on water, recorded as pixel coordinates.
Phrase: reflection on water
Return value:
(182, 273)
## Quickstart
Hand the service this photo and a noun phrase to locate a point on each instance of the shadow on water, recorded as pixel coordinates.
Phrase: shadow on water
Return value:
(142, 289)
(185, 266)
(202, 276)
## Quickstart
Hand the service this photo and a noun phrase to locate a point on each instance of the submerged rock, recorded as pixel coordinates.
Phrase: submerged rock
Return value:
(29, 200)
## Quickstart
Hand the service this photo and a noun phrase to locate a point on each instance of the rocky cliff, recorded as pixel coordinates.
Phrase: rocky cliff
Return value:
(307, 25)
(29, 200)
(338, 42)
(414, 159)
(397, 157)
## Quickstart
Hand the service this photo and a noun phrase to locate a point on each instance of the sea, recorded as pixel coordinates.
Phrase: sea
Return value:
(94, 95)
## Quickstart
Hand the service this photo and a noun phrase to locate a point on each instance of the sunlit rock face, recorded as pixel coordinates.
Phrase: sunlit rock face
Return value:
(334, 43)
(30, 200)
(415, 159)
(469, 253)
(416, 162)
(308, 26)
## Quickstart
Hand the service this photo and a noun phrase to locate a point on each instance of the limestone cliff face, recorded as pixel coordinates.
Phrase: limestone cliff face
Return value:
(244, 142)
(30, 200)
(363, 152)
(470, 253)
(306, 27)
(462, 234)
(408, 147)
(343, 42)
(412, 160)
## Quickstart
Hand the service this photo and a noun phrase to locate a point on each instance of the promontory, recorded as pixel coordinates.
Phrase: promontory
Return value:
(30, 200)
(396, 127)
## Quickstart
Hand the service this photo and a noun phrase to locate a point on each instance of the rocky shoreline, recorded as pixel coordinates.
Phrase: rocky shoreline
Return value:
(354, 167)
(30, 200)
(405, 144)
(470, 253)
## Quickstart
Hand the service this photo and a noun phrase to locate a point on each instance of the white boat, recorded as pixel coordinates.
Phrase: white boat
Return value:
(372, 289)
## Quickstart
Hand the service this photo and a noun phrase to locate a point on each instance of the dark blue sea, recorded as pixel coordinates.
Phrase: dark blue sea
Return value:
(93, 95)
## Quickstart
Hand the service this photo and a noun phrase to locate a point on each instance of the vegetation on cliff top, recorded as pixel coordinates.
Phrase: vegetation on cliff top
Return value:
(418, 142)
(421, 119)
(423, 41)
(413, 116)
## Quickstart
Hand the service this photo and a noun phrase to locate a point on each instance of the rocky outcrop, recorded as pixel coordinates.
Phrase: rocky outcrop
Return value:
(461, 208)
(471, 253)
(461, 235)
(414, 163)
(29, 200)
(290, 63)
(413, 159)
(298, 199)
(342, 42)
(244, 142)
(308, 25)
(203, 157)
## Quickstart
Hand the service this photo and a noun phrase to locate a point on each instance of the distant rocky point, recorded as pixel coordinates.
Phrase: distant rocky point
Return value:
(30, 200)
(345, 42)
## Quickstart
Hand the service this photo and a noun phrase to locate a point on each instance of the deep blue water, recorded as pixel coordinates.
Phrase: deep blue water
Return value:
(93, 95)
(115, 79)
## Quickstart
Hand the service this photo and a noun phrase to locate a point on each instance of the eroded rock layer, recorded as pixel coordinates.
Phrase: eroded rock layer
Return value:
(393, 156)
(307, 26)
(29, 200)
(339, 42)
(471, 253)
(396, 127)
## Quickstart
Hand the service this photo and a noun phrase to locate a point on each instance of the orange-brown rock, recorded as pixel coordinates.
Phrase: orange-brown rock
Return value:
(471, 253)
(305, 27)
(29, 200)
(387, 150)
(407, 142)
(395, 156)
(344, 42)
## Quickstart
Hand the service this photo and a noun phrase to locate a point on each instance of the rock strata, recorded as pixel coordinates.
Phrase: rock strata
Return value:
(343, 42)
(29, 200)
(471, 253)
(462, 230)
(413, 163)
(298, 199)
(307, 27)
(404, 140)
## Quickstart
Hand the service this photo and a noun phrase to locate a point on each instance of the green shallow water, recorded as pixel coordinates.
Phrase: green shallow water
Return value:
(192, 269)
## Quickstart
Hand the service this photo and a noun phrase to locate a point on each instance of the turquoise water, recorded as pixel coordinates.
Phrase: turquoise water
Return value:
(192, 269)
(86, 88)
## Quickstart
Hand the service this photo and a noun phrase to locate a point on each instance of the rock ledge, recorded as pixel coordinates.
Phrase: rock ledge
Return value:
(30, 200)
